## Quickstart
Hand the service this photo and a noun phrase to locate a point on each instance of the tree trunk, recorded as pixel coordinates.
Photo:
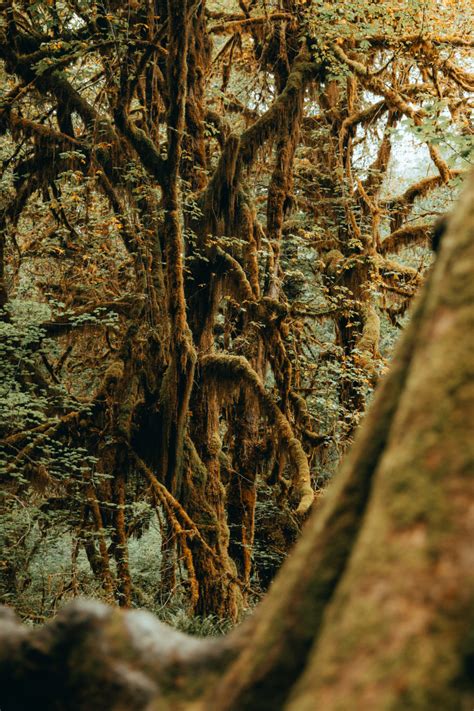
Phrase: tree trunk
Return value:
(373, 610)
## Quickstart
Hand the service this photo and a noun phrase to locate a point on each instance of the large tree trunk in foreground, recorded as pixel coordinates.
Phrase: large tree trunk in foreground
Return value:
(373, 610)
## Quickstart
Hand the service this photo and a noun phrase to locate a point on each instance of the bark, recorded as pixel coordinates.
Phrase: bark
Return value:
(398, 627)
(375, 606)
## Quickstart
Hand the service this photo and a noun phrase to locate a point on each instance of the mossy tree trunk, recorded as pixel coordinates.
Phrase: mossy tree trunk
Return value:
(373, 609)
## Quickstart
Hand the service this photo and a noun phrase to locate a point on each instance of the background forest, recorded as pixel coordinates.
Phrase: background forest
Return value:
(214, 217)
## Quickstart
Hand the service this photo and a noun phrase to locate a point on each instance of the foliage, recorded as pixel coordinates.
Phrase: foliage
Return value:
(207, 248)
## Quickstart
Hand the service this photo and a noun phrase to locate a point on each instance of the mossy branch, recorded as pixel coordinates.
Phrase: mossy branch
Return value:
(415, 191)
(237, 371)
(249, 23)
(405, 237)
(240, 152)
(146, 149)
(395, 100)
(31, 129)
(182, 523)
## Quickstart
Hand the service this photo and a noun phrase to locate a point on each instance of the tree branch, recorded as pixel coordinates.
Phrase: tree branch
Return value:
(224, 367)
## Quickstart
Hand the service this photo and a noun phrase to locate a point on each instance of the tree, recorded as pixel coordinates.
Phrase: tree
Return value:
(374, 606)
(171, 362)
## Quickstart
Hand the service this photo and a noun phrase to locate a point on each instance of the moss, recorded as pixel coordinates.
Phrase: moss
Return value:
(114, 373)
(237, 372)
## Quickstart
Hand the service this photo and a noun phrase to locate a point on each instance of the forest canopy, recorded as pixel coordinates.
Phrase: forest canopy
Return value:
(214, 218)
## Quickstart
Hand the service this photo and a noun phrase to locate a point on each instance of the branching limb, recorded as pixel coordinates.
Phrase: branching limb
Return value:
(238, 371)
